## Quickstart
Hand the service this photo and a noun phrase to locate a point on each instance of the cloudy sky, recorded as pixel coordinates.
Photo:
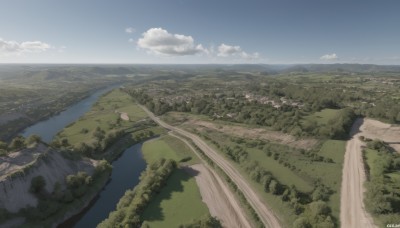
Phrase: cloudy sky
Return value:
(200, 31)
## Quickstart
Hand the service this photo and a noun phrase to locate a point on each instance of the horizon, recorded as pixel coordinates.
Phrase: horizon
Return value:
(206, 32)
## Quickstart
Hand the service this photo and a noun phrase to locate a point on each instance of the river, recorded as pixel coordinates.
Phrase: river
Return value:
(125, 175)
(126, 169)
(48, 128)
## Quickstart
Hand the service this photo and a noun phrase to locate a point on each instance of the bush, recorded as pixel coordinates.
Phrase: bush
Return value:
(37, 184)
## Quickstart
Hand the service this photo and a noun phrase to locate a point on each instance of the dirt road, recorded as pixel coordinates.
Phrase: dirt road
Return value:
(266, 215)
(215, 193)
(352, 209)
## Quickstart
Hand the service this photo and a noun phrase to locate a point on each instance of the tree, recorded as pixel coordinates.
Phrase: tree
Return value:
(3, 145)
(301, 223)
(274, 187)
(33, 139)
(64, 142)
(17, 143)
(37, 184)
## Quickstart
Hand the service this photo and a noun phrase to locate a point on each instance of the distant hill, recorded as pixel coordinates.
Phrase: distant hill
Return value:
(351, 68)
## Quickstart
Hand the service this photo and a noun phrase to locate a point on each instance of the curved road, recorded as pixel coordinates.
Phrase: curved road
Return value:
(266, 215)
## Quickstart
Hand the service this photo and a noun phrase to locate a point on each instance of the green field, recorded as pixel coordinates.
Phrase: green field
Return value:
(178, 203)
(168, 147)
(322, 117)
(302, 172)
(103, 114)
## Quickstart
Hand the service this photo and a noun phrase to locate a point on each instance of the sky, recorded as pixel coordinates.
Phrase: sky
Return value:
(200, 31)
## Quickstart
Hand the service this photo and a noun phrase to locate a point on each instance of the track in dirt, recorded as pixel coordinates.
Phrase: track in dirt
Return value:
(268, 218)
(352, 209)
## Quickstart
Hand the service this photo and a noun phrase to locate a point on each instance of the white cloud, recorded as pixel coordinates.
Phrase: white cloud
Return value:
(160, 41)
(14, 47)
(225, 50)
(130, 30)
(131, 40)
(332, 56)
(245, 55)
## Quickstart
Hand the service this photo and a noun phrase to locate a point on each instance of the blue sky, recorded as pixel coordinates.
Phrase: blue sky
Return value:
(200, 31)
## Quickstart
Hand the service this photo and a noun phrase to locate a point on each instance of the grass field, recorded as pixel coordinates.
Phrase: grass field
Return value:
(178, 203)
(330, 174)
(322, 117)
(168, 147)
(103, 114)
(371, 156)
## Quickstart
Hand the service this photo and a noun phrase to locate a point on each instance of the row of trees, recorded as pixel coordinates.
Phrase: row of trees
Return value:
(310, 207)
(382, 195)
(18, 143)
(132, 204)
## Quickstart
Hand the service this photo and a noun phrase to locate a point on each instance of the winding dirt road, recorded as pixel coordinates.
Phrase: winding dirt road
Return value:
(352, 209)
(266, 215)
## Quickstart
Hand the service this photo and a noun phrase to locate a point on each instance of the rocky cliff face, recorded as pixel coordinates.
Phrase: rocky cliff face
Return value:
(18, 169)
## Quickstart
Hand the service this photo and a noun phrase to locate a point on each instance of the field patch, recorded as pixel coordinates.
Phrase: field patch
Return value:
(179, 202)
(322, 117)
(105, 114)
(168, 147)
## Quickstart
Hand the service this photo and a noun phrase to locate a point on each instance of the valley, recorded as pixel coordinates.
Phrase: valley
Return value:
(234, 149)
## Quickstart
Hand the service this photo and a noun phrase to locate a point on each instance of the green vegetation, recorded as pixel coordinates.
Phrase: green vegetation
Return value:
(33, 93)
(323, 117)
(101, 133)
(179, 202)
(382, 198)
(132, 204)
(175, 192)
(204, 222)
(290, 179)
(103, 123)
(52, 206)
(168, 147)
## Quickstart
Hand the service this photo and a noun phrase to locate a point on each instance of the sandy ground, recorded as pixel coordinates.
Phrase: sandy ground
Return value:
(218, 197)
(124, 116)
(266, 215)
(14, 193)
(256, 133)
(352, 210)
(374, 129)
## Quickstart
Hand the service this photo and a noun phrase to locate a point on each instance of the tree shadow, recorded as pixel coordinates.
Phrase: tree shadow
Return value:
(355, 129)
(154, 211)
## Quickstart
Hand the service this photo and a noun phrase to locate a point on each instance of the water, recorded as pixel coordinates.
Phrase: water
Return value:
(48, 128)
(125, 175)
(126, 169)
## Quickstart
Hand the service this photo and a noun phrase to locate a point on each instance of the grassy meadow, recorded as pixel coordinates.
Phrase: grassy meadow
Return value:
(105, 115)
(179, 202)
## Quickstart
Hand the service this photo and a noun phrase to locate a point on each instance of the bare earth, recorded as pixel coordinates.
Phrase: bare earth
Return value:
(14, 192)
(266, 215)
(256, 133)
(218, 198)
(215, 193)
(352, 211)
(374, 129)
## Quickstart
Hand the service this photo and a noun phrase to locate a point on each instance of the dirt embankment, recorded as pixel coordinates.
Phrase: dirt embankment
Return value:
(219, 198)
(215, 193)
(255, 133)
(19, 168)
(352, 211)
